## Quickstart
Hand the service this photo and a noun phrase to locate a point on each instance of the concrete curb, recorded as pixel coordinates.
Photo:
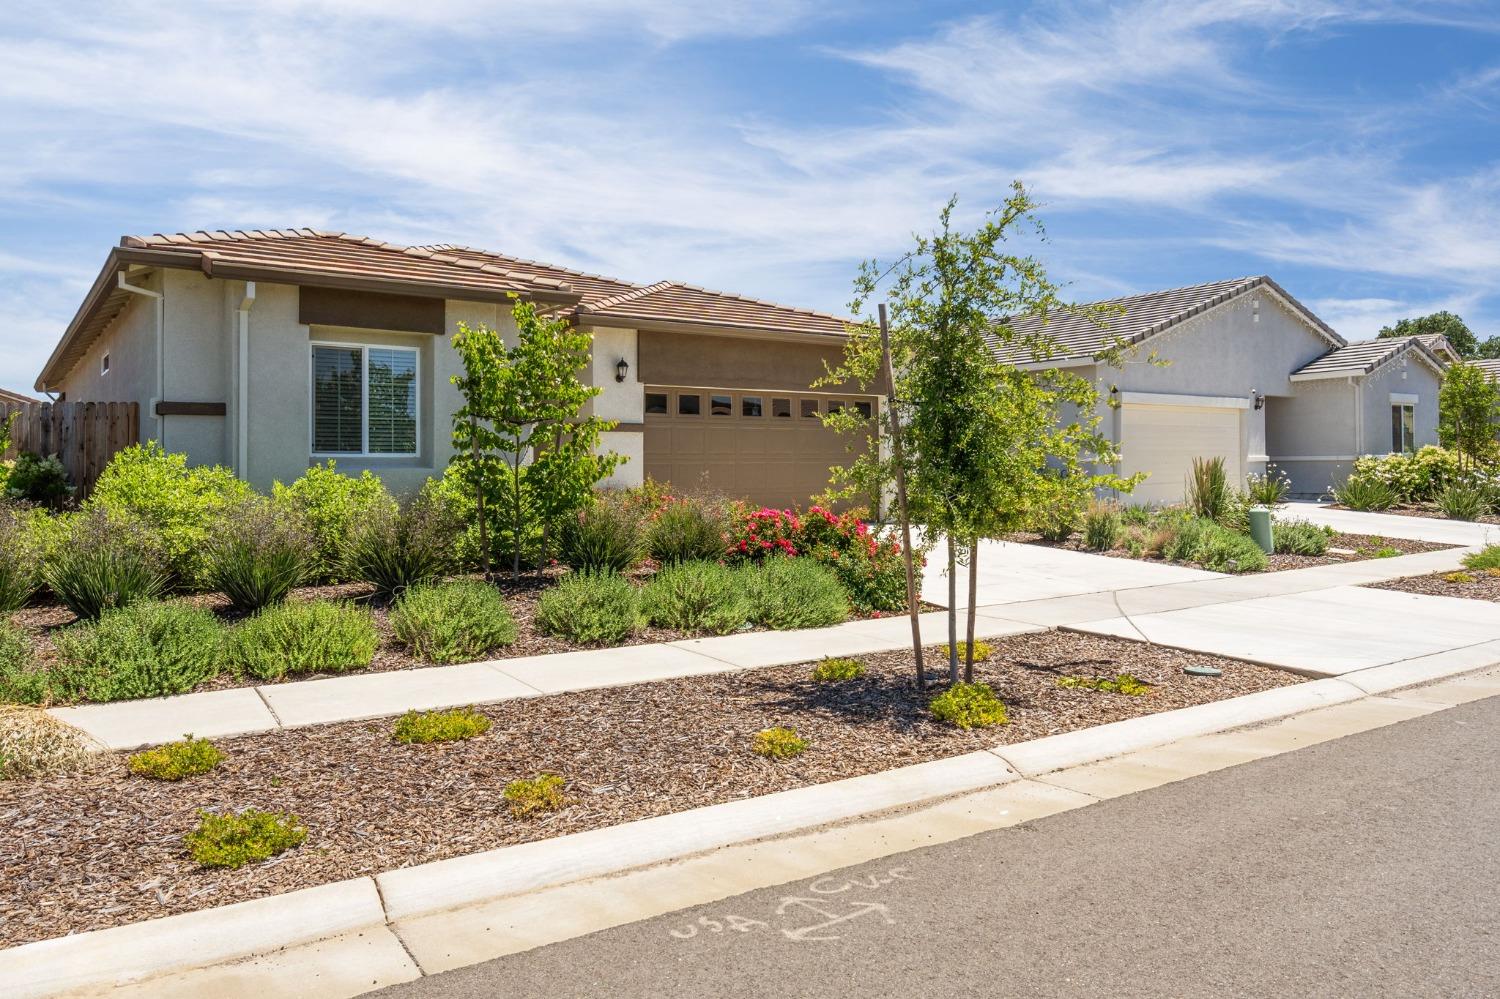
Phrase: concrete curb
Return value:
(212, 936)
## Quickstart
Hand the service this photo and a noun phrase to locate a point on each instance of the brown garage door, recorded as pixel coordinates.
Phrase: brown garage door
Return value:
(767, 447)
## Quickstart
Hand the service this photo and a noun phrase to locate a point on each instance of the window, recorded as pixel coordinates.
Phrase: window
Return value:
(750, 405)
(1404, 428)
(781, 408)
(864, 410)
(835, 406)
(688, 405)
(364, 400)
(810, 407)
(720, 405)
(104, 365)
(656, 402)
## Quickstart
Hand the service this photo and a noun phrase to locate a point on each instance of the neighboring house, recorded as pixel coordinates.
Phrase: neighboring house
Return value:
(269, 351)
(1490, 366)
(1249, 374)
(8, 397)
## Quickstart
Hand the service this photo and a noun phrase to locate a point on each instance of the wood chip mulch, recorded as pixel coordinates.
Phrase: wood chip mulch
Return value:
(1480, 585)
(102, 848)
(1364, 547)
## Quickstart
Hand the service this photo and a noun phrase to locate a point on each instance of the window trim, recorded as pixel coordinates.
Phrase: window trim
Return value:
(104, 364)
(364, 401)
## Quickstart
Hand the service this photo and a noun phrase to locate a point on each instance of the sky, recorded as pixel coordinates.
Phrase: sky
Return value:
(1349, 149)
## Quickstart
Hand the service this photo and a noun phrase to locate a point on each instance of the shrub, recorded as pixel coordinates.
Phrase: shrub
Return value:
(1457, 577)
(1410, 478)
(35, 744)
(1362, 493)
(1208, 488)
(795, 593)
(838, 669)
(258, 554)
(687, 529)
(982, 651)
(452, 622)
(147, 649)
(528, 796)
(333, 506)
(239, 839)
(319, 636)
(697, 596)
(1137, 516)
(872, 570)
(104, 563)
(1463, 500)
(440, 726)
(1057, 526)
(1384, 551)
(969, 705)
(1101, 527)
(778, 743)
(176, 760)
(1298, 537)
(1486, 558)
(20, 569)
(591, 608)
(180, 505)
(1122, 683)
(1268, 490)
(408, 546)
(43, 481)
(1214, 546)
(606, 535)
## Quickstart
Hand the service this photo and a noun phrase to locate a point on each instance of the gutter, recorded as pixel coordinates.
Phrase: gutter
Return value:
(161, 357)
(242, 393)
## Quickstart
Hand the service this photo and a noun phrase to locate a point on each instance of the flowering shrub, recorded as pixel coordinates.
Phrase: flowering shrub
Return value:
(1414, 478)
(765, 532)
(868, 567)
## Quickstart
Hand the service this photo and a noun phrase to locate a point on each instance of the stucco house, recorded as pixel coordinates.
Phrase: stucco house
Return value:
(268, 351)
(1242, 370)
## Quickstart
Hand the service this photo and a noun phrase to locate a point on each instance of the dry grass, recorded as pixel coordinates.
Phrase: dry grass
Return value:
(35, 744)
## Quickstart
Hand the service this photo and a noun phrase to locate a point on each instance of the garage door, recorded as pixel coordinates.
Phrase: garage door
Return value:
(770, 448)
(1164, 440)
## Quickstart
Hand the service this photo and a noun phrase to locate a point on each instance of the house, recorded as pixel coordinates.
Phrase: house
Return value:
(15, 399)
(1240, 369)
(269, 351)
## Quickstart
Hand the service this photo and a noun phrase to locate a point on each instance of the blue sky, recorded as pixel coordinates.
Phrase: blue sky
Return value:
(1349, 149)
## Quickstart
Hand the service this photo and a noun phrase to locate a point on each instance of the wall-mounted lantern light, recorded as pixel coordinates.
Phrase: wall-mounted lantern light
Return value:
(1260, 400)
(622, 368)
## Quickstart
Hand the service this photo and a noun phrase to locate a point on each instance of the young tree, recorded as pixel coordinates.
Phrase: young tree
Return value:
(988, 443)
(1468, 410)
(521, 441)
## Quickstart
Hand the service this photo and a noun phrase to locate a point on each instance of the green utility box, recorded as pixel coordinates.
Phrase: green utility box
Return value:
(1260, 529)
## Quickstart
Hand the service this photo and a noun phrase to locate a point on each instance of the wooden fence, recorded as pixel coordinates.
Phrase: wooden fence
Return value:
(83, 435)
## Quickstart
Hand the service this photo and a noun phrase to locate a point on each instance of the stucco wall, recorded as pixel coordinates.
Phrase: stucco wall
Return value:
(623, 402)
(1310, 435)
(130, 342)
(197, 351)
(1411, 378)
(732, 362)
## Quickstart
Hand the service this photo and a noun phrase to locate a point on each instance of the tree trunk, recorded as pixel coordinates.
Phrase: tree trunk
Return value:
(952, 611)
(973, 591)
(913, 605)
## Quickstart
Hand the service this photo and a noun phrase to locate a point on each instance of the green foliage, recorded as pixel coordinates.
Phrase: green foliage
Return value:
(1468, 414)
(530, 796)
(591, 608)
(1122, 683)
(1382, 551)
(969, 705)
(787, 593)
(1057, 525)
(180, 505)
(1487, 557)
(688, 529)
(607, 535)
(257, 554)
(1298, 537)
(1410, 478)
(1362, 493)
(20, 561)
(1463, 500)
(838, 669)
(333, 506)
(1458, 577)
(19, 682)
(778, 743)
(321, 636)
(527, 399)
(405, 546)
(1208, 493)
(1443, 323)
(870, 568)
(102, 563)
(1214, 546)
(1268, 490)
(440, 726)
(982, 651)
(147, 649)
(247, 837)
(452, 622)
(177, 760)
(697, 596)
(35, 479)
(1101, 527)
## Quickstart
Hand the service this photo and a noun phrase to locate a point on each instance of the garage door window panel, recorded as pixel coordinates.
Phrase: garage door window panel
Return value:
(689, 405)
(751, 406)
(781, 409)
(656, 403)
(720, 405)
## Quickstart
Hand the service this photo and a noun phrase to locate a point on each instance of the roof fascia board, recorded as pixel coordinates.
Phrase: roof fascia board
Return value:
(100, 289)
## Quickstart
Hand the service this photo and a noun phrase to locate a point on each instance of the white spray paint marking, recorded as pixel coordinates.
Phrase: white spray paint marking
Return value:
(832, 912)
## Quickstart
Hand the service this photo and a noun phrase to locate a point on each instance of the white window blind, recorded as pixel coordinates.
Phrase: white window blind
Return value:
(337, 391)
(392, 401)
(364, 400)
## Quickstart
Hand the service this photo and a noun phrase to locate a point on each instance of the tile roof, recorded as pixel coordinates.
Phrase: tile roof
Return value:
(1362, 357)
(669, 304)
(1490, 366)
(15, 397)
(592, 287)
(1137, 317)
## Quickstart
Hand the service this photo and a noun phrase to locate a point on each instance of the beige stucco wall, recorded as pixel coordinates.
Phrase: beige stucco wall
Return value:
(623, 402)
(733, 362)
(130, 342)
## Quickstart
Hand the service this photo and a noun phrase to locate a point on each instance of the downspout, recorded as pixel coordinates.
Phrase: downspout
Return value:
(242, 394)
(161, 358)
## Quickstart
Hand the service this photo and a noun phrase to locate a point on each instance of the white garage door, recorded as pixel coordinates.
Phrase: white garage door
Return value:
(1164, 440)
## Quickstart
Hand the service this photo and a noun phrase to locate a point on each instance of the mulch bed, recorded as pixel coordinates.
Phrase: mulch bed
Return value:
(1480, 585)
(102, 848)
(1364, 547)
(521, 596)
(1426, 511)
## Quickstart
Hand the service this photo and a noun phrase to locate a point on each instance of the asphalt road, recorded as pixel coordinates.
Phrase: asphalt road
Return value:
(1368, 866)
